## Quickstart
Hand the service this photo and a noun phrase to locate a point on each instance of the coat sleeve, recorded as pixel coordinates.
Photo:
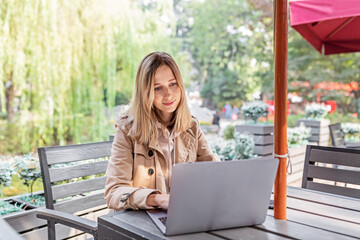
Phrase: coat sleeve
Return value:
(119, 190)
(204, 152)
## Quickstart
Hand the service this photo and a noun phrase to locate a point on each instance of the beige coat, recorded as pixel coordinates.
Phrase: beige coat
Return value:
(136, 170)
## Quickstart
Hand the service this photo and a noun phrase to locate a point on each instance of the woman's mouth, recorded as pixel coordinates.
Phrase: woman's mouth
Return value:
(169, 103)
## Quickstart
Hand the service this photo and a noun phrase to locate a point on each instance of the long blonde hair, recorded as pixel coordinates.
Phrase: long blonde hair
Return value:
(141, 116)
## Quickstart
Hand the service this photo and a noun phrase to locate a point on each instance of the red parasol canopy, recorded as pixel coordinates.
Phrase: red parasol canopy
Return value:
(330, 26)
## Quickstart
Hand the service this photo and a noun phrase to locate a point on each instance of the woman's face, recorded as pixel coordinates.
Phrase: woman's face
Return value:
(167, 92)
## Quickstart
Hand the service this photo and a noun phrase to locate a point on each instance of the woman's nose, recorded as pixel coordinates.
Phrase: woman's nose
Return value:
(167, 92)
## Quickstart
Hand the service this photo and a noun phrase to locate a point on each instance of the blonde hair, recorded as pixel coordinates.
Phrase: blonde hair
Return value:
(141, 116)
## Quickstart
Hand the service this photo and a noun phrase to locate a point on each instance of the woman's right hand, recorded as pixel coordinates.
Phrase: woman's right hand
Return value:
(158, 200)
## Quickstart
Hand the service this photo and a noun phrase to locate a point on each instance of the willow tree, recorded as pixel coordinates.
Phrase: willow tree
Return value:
(63, 62)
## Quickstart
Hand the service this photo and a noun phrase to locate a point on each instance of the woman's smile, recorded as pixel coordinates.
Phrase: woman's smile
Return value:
(169, 103)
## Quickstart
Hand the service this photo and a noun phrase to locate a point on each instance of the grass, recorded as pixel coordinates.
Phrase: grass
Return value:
(17, 187)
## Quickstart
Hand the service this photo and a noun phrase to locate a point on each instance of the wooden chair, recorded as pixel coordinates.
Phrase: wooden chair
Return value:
(67, 198)
(338, 137)
(325, 166)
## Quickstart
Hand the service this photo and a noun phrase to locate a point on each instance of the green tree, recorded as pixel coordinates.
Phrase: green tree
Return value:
(63, 63)
(229, 47)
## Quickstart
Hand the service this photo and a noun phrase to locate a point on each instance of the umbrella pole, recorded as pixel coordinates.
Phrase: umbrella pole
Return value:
(280, 128)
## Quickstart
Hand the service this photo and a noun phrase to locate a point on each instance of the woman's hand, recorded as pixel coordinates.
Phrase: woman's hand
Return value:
(158, 200)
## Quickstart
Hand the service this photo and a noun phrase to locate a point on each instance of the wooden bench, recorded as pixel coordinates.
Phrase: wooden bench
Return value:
(74, 181)
(338, 137)
(332, 170)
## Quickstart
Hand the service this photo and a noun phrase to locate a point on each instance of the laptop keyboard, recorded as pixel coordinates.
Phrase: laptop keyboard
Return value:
(163, 220)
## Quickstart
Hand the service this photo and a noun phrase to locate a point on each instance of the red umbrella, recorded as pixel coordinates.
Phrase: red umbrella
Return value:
(330, 26)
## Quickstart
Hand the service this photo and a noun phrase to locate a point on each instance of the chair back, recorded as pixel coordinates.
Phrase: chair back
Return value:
(73, 175)
(332, 170)
(337, 135)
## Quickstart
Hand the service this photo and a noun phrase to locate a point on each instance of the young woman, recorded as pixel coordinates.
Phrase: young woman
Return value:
(156, 132)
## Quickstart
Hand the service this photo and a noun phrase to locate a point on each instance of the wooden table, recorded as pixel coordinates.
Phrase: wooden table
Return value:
(311, 215)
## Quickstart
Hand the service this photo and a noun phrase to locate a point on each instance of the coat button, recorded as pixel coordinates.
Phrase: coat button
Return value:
(151, 171)
(150, 153)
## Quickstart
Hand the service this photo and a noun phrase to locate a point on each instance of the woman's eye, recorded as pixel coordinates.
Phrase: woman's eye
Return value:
(173, 84)
(157, 88)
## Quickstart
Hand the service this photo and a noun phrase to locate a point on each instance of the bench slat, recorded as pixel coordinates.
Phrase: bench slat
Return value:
(334, 174)
(81, 203)
(350, 192)
(338, 157)
(79, 152)
(65, 173)
(75, 188)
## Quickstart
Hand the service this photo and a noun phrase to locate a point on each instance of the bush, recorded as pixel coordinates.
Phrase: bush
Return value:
(28, 169)
(315, 111)
(6, 173)
(241, 147)
(298, 135)
(254, 110)
(351, 131)
(244, 146)
(229, 132)
(6, 207)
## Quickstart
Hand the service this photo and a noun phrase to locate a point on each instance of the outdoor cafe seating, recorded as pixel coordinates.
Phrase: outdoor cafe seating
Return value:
(312, 214)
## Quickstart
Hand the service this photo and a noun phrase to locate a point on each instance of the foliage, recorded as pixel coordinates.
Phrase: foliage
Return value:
(28, 169)
(254, 110)
(240, 147)
(6, 207)
(350, 128)
(298, 135)
(244, 146)
(342, 118)
(37, 200)
(351, 131)
(229, 132)
(315, 111)
(305, 64)
(18, 188)
(6, 173)
(229, 45)
(64, 63)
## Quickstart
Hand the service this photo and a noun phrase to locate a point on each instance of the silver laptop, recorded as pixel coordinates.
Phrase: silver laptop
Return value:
(216, 195)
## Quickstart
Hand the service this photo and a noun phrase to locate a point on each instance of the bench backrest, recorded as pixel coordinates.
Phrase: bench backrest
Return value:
(73, 175)
(333, 170)
(337, 135)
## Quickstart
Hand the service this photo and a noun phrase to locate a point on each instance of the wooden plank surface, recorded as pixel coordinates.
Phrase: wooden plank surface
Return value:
(310, 214)
(71, 189)
(248, 233)
(296, 230)
(350, 192)
(338, 156)
(82, 203)
(65, 173)
(334, 174)
(139, 219)
(71, 153)
(324, 223)
(324, 210)
(324, 198)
